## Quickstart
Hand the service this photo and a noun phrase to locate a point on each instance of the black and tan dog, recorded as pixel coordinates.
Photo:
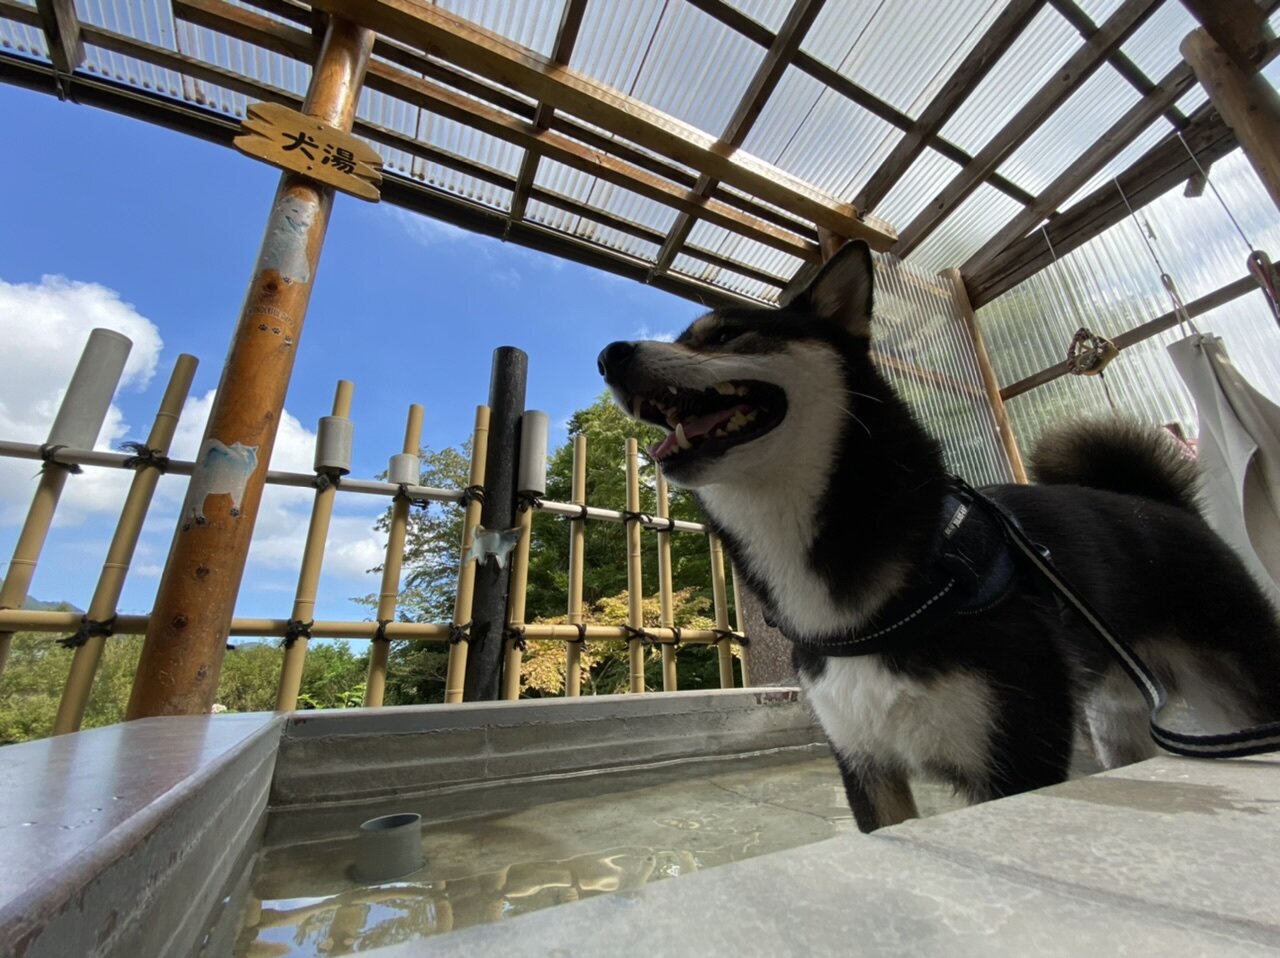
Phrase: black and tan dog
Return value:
(923, 646)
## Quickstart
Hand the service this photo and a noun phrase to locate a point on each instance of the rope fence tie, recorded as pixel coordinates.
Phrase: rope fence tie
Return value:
(582, 635)
(326, 480)
(144, 456)
(89, 628)
(48, 452)
(516, 634)
(380, 633)
(528, 500)
(459, 633)
(582, 515)
(472, 494)
(296, 629)
(646, 638)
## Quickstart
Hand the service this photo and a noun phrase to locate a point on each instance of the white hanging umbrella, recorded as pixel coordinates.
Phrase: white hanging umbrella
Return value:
(1239, 453)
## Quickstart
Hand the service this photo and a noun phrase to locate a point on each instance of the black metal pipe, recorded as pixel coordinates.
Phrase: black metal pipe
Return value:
(489, 607)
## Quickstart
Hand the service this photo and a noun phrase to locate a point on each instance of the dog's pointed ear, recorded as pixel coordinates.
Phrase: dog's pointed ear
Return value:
(842, 290)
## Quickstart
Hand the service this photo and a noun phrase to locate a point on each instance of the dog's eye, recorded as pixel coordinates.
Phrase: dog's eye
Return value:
(725, 335)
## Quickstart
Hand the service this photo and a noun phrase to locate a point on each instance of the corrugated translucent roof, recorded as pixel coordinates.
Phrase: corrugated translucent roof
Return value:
(625, 189)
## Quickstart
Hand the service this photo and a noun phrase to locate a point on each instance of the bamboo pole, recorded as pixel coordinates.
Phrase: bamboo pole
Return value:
(456, 675)
(737, 624)
(989, 381)
(577, 547)
(515, 606)
(376, 683)
(182, 654)
(304, 599)
(635, 581)
(102, 607)
(1246, 101)
(723, 648)
(26, 552)
(665, 598)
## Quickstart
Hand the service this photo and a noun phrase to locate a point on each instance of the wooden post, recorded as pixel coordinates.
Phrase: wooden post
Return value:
(1005, 428)
(665, 597)
(456, 675)
(380, 652)
(102, 607)
(1248, 104)
(519, 592)
(724, 648)
(304, 599)
(577, 546)
(635, 581)
(186, 640)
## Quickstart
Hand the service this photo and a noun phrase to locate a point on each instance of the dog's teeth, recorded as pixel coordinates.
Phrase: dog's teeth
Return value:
(751, 416)
(637, 407)
(725, 389)
(741, 390)
(681, 440)
(721, 432)
(673, 390)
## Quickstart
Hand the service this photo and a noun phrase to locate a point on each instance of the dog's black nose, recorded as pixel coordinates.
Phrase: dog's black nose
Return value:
(613, 356)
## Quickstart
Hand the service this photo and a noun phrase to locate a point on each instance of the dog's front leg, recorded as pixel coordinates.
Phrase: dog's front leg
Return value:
(878, 795)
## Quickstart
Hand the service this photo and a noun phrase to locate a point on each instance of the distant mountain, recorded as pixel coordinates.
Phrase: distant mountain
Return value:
(38, 605)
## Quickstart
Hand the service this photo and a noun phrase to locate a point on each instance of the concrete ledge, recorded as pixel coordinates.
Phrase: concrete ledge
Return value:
(370, 754)
(118, 840)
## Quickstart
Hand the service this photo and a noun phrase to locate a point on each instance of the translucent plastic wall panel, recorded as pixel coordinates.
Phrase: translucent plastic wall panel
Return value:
(923, 181)
(724, 278)
(615, 240)
(836, 29)
(1070, 130)
(820, 136)
(1099, 10)
(393, 114)
(484, 149)
(1154, 45)
(696, 69)
(964, 232)
(251, 61)
(929, 358)
(634, 208)
(613, 40)
(530, 23)
(908, 51)
(1025, 66)
(1112, 284)
(146, 20)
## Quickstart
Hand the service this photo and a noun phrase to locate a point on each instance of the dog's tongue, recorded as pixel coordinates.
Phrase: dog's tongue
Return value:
(694, 428)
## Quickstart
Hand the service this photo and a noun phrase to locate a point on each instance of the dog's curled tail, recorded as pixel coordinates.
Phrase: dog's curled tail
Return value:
(1118, 455)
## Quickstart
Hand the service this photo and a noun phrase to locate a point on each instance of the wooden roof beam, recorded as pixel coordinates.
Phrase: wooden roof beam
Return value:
(432, 29)
(1238, 26)
(1078, 68)
(768, 73)
(566, 37)
(62, 33)
(1160, 169)
(1006, 28)
(740, 23)
(1119, 60)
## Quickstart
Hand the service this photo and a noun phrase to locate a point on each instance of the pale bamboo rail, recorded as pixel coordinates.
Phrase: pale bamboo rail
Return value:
(93, 629)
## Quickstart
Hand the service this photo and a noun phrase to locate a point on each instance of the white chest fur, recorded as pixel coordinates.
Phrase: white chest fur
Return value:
(868, 710)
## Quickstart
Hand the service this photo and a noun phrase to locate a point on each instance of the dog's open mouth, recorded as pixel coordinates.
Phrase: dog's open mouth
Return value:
(704, 422)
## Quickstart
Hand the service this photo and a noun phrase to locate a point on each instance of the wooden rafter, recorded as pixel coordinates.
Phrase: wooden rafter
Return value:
(566, 37)
(295, 43)
(828, 76)
(1158, 170)
(1119, 60)
(463, 43)
(775, 62)
(1103, 150)
(1238, 26)
(1078, 68)
(1006, 28)
(62, 33)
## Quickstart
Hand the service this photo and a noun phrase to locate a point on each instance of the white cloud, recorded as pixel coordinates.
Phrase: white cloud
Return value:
(44, 327)
(661, 336)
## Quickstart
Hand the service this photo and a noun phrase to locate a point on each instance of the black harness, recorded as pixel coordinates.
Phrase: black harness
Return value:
(981, 551)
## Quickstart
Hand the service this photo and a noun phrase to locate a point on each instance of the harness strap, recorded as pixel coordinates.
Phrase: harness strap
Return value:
(1249, 741)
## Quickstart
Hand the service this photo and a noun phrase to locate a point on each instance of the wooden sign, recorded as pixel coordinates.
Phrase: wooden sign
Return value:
(294, 141)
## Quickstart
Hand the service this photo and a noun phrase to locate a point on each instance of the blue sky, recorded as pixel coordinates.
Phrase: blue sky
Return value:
(110, 221)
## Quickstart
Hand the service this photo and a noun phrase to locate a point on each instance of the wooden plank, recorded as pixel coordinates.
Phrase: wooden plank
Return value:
(62, 33)
(566, 37)
(1160, 169)
(793, 30)
(1078, 68)
(443, 34)
(1198, 307)
(1003, 31)
(291, 140)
